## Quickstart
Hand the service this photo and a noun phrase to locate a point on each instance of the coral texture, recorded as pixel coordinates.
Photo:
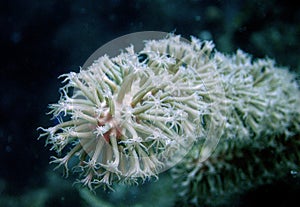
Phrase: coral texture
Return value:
(129, 117)
(260, 141)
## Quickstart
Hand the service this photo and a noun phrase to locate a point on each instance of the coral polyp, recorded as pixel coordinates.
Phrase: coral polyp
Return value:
(228, 122)
(129, 117)
(260, 141)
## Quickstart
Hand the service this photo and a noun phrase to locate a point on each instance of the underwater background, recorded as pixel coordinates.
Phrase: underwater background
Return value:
(41, 40)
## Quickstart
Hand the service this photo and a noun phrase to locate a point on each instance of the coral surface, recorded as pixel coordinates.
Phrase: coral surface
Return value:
(128, 118)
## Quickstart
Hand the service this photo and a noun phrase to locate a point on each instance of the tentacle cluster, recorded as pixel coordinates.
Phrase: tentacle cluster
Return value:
(129, 117)
(260, 141)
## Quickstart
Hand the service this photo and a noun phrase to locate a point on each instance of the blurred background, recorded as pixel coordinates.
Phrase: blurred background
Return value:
(41, 40)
